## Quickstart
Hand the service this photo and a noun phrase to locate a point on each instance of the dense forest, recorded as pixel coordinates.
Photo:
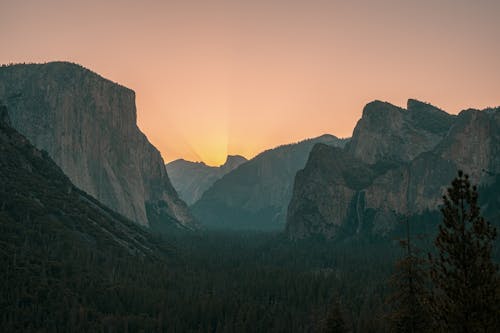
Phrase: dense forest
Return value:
(224, 282)
(213, 282)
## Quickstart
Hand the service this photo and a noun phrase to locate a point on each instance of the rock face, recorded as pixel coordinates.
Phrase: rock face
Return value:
(388, 133)
(37, 199)
(398, 163)
(256, 194)
(192, 179)
(87, 124)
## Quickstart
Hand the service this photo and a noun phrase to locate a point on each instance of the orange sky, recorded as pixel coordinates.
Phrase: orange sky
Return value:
(237, 77)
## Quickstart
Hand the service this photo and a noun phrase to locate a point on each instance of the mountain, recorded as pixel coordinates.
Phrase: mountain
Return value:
(191, 179)
(398, 163)
(36, 193)
(256, 194)
(66, 259)
(87, 124)
(389, 133)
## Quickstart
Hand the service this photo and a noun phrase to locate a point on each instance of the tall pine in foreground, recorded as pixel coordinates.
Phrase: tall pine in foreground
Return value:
(463, 275)
(409, 312)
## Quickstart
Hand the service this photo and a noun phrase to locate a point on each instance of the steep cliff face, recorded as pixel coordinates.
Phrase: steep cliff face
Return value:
(87, 124)
(389, 133)
(192, 179)
(473, 142)
(398, 163)
(256, 194)
(323, 192)
(39, 204)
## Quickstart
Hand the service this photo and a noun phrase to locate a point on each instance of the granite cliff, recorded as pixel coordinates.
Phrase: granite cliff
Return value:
(398, 163)
(87, 124)
(192, 179)
(386, 132)
(40, 205)
(256, 194)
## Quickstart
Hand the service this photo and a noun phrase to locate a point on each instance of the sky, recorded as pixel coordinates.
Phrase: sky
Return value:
(237, 77)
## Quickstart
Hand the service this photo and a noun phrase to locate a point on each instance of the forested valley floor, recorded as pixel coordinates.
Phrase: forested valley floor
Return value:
(205, 282)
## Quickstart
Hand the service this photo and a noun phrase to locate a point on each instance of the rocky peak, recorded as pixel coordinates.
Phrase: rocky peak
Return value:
(232, 162)
(429, 118)
(185, 163)
(389, 133)
(379, 110)
(192, 179)
(415, 105)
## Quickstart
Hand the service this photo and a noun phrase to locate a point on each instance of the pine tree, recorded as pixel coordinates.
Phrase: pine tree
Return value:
(408, 308)
(463, 275)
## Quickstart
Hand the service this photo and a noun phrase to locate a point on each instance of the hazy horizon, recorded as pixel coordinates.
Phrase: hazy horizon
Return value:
(236, 78)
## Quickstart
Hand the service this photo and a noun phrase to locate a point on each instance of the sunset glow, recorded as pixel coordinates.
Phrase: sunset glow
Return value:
(236, 77)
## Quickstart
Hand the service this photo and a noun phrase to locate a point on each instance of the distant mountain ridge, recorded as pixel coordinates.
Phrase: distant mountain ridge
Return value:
(256, 194)
(398, 163)
(192, 179)
(87, 124)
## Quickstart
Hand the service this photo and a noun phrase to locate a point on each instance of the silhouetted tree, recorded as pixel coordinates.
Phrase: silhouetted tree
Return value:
(464, 277)
(408, 309)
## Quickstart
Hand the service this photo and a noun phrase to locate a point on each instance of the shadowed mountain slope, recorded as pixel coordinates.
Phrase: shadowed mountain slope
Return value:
(256, 194)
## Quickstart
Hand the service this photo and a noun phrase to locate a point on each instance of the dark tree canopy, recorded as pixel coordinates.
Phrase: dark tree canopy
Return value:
(408, 309)
(464, 277)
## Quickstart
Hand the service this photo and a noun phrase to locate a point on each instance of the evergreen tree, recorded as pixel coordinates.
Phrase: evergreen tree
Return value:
(464, 277)
(408, 308)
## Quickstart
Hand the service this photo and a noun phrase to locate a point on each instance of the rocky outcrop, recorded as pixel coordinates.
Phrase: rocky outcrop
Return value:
(256, 194)
(389, 133)
(323, 191)
(87, 124)
(37, 199)
(398, 163)
(192, 179)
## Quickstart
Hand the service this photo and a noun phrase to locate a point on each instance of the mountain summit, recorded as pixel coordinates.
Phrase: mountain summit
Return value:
(192, 179)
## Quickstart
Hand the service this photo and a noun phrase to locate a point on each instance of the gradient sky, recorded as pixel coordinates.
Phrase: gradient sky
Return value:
(237, 77)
